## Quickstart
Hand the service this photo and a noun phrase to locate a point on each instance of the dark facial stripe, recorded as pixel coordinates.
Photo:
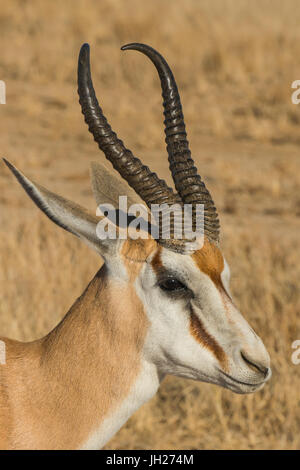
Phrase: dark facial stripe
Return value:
(203, 337)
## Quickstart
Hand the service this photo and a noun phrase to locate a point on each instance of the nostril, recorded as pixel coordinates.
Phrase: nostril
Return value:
(255, 366)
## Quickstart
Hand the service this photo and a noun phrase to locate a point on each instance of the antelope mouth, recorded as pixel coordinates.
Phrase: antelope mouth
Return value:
(247, 384)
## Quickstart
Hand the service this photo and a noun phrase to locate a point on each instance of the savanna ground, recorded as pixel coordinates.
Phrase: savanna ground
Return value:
(234, 63)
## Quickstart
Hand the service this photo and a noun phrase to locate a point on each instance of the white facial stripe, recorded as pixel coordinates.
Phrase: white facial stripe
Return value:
(225, 277)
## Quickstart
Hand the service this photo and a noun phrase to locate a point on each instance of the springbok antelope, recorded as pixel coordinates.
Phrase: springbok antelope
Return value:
(152, 309)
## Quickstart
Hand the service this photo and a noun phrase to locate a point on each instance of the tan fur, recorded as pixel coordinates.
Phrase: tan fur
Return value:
(137, 251)
(156, 262)
(210, 261)
(45, 383)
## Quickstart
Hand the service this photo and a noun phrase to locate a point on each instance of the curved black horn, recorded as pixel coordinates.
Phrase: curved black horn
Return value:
(145, 183)
(188, 183)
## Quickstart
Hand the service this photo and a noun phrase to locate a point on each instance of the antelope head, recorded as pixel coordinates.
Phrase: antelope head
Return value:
(194, 329)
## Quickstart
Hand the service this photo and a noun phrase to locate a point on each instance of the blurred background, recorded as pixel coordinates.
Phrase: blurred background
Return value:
(234, 63)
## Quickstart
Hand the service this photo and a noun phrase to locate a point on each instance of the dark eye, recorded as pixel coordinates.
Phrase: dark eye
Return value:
(172, 284)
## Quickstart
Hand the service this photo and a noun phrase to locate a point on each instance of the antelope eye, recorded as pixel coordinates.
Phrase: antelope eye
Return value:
(172, 284)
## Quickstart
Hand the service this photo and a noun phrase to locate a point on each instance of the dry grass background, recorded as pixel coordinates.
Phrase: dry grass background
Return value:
(234, 63)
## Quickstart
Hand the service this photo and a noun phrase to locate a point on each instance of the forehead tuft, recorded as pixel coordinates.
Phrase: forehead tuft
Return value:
(138, 250)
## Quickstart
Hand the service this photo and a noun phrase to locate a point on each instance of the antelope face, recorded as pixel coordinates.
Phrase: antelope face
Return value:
(196, 330)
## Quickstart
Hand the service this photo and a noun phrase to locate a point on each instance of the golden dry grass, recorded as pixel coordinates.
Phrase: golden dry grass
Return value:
(234, 63)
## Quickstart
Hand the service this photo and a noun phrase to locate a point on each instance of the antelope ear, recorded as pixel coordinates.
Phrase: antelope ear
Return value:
(108, 188)
(67, 214)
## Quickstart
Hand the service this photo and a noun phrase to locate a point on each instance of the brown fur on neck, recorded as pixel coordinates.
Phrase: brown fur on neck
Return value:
(60, 388)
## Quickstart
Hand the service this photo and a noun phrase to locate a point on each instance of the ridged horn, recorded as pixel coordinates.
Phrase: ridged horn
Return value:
(145, 183)
(188, 183)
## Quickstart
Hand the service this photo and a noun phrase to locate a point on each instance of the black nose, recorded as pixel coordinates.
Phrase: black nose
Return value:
(255, 366)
